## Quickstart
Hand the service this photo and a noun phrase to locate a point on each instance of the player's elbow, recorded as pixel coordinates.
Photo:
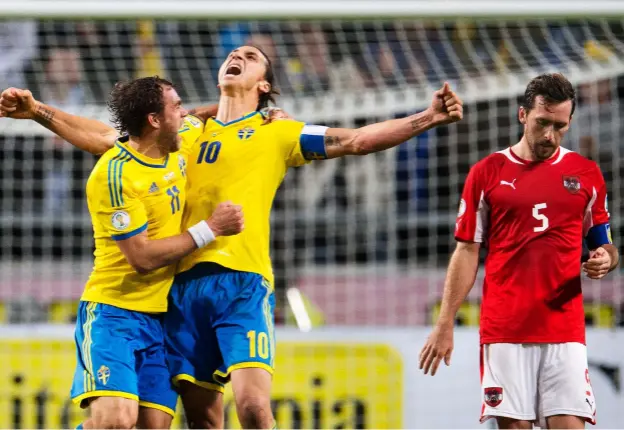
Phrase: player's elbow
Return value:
(141, 265)
(468, 248)
(141, 268)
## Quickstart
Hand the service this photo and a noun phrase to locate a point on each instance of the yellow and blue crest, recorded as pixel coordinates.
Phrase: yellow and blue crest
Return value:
(103, 374)
(245, 133)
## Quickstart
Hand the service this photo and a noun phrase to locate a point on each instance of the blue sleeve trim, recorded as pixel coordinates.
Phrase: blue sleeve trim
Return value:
(312, 142)
(128, 235)
(598, 235)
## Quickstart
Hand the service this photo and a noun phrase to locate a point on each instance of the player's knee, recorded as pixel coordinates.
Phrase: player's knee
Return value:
(121, 421)
(204, 418)
(153, 419)
(254, 411)
(121, 415)
(203, 408)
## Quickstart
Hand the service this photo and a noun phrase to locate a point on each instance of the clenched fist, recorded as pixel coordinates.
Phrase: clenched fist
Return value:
(227, 219)
(17, 104)
(446, 106)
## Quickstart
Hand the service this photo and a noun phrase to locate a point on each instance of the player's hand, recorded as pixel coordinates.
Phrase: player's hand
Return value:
(271, 114)
(446, 106)
(439, 346)
(598, 264)
(18, 104)
(227, 219)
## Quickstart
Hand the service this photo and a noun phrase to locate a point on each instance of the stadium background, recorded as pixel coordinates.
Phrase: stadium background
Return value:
(360, 244)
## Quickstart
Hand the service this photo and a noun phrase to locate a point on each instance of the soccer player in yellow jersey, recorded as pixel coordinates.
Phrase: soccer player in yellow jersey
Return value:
(136, 195)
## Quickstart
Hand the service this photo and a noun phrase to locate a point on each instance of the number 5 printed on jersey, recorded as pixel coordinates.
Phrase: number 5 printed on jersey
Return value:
(540, 217)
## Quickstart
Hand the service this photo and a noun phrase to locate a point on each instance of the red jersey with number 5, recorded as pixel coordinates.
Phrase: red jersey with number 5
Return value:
(532, 217)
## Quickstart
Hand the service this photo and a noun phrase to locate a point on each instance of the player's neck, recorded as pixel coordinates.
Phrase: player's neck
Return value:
(233, 107)
(147, 147)
(523, 151)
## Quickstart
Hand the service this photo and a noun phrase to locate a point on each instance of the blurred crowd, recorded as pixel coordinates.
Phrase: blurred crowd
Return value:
(73, 62)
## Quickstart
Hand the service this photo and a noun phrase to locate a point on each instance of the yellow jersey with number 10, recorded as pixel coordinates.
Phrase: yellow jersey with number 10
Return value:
(128, 193)
(245, 162)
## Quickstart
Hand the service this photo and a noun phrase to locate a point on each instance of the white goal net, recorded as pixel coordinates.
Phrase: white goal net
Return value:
(360, 241)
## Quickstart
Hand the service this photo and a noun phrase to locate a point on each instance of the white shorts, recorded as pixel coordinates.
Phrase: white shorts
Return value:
(533, 381)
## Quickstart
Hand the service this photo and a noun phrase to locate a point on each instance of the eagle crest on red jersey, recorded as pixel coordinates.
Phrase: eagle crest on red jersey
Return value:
(572, 184)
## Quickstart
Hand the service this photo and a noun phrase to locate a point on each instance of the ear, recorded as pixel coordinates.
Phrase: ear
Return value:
(522, 115)
(153, 120)
(264, 87)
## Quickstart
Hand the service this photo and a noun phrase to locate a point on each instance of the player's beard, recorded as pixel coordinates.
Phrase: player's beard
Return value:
(543, 150)
(169, 142)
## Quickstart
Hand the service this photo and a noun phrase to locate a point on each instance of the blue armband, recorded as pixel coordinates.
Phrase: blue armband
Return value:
(312, 142)
(599, 235)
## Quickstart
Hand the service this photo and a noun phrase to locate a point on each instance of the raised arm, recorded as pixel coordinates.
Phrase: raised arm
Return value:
(84, 133)
(446, 107)
(146, 255)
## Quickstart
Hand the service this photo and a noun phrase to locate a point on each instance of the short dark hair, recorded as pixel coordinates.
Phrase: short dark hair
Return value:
(269, 76)
(132, 101)
(554, 87)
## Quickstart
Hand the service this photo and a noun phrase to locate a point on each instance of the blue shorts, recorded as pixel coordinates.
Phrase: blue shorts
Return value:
(121, 353)
(218, 320)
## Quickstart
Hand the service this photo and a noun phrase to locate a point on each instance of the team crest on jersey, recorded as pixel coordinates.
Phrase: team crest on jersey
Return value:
(572, 184)
(120, 220)
(245, 133)
(182, 164)
(103, 374)
(493, 396)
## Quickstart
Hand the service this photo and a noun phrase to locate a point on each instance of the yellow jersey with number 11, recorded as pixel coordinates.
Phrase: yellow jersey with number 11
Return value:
(128, 193)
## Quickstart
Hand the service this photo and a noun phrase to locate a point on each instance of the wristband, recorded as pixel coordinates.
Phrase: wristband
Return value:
(201, 234)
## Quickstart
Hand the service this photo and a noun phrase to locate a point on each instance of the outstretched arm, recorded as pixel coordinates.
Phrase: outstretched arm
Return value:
(446, 107)
(84, 133)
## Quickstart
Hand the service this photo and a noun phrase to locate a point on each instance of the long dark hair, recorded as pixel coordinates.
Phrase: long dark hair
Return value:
(269, 76)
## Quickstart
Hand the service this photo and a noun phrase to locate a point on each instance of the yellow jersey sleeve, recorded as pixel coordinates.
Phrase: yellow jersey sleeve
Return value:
(119, 210)
(190, 131)
(301, 142)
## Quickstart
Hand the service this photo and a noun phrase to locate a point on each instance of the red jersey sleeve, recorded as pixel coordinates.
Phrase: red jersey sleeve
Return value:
(473, 214)
(596, 222)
